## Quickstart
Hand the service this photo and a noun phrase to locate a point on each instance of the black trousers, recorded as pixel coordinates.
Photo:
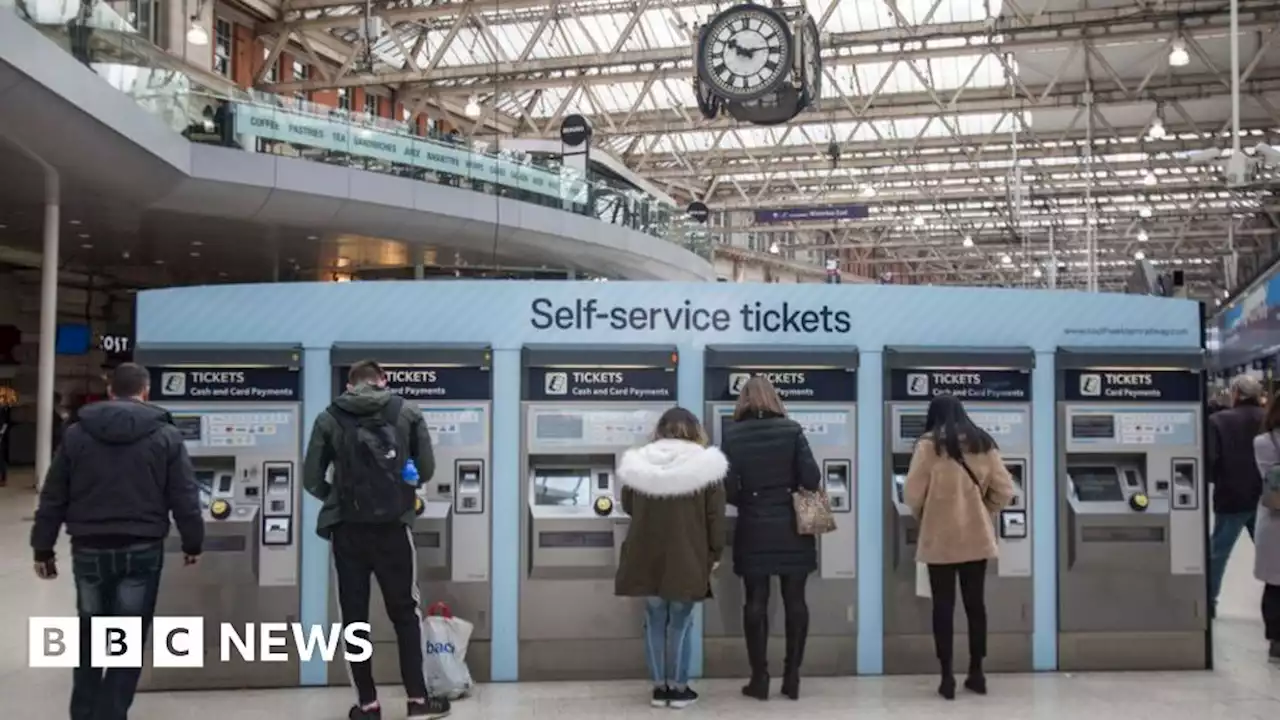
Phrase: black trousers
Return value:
(755, 620)
(1271, 611)
(942, 584)
(387, 553)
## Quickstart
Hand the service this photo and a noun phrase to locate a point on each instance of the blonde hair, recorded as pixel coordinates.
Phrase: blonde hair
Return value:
(758, 397)
(680, 424)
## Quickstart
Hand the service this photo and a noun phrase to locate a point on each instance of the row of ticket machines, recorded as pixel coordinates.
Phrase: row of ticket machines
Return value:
(1130, 501)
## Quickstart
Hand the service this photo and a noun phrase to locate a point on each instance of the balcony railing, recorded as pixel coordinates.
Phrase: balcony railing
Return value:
(207, 108)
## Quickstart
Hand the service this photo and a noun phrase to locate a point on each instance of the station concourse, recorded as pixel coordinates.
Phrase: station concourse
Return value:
(1241, 687)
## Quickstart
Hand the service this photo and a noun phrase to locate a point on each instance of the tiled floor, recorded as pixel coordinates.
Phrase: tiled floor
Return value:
(1243, 687)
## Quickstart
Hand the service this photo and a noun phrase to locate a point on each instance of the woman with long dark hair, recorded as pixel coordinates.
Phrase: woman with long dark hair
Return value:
(956, 483)
(769, 459)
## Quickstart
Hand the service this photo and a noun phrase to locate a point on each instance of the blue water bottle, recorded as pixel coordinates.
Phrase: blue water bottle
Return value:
(410, 473)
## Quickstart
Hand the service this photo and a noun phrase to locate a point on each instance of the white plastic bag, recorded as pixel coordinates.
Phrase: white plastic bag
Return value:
(923, 588)
(444, 653)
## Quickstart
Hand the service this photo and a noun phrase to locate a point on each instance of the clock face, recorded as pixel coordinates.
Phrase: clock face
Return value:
(745, 52)
(812, 63)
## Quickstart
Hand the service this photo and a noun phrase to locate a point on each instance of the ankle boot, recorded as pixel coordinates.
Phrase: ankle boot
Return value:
(797, 635)
(947, 687)
(756, 633)
(977, 679)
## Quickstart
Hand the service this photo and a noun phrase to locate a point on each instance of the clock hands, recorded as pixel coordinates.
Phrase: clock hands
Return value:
(741, 51)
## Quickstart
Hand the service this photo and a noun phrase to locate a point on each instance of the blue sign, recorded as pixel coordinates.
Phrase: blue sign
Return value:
(600, 384)
(969, 385)
(809, 214)
(225, 384)
(422, 382)
(1132, 385)
(798, 384)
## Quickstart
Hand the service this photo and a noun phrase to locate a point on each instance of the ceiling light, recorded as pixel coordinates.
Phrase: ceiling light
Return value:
(196, 34)
(919, 221)
(125, 255)
(84, 236)
(1139, 255)
(1006, 260)
(1149, 178)
(867, 191)
(968, 241)
(196, 243)
(74, 222)
(472, 110)
(1178, 56)
(86, 246)
(1144, 211)
(195, 254)
(1142, 236)
(312, 237)
(1156, 132)
(159, 262)
(774, 249)
(1037, 273)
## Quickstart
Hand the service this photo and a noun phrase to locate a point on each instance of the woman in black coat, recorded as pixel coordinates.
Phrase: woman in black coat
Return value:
(769, 458)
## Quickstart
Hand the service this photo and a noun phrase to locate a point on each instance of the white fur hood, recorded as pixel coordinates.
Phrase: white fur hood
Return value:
(670, 468)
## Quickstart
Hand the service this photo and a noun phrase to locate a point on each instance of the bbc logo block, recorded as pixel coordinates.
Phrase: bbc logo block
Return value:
(115, 642)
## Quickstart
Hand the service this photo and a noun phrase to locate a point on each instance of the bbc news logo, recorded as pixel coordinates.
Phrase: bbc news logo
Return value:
(178, 642)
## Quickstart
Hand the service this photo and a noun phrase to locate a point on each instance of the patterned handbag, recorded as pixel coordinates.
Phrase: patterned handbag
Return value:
(813, 512)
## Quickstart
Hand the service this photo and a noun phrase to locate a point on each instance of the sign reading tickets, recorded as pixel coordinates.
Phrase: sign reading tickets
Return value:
(280, 124)
(970, 385)
(1132, 385)
(800, 384)
(421, 382)
(225, 384)
(600, 384)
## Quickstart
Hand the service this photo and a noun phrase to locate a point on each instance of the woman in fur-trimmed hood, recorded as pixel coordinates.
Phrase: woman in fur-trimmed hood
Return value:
(673, 490)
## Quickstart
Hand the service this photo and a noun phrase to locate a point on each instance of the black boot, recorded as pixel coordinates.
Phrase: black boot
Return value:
(947, 688)
(756, 631)
(797, 634)
(977, 680)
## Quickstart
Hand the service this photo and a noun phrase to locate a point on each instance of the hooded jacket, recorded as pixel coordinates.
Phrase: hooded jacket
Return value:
(1232, 468)
(674, 492)
(116, 478)
(364, 400)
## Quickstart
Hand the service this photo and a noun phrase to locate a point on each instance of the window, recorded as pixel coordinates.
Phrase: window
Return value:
(272, 75)
(371, 104)
(141, 14)
(344, 98)
(301, 71)
(222, 40)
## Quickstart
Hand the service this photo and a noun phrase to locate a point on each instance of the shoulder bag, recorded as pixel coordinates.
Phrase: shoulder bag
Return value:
(1271, 482)
(813, 510)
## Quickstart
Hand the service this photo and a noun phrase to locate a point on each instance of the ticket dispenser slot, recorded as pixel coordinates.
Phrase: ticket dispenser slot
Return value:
(277, 504)
(839, 477)
(1186, 484)
(468, 498)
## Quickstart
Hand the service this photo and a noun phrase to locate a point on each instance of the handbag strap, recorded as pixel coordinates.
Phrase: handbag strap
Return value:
(969, 470)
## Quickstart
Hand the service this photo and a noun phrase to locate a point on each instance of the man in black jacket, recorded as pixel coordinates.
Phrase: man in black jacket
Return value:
(1233, 471)
(114, 481)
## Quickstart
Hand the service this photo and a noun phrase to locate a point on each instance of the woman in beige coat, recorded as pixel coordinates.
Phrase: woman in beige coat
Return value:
(955, 484)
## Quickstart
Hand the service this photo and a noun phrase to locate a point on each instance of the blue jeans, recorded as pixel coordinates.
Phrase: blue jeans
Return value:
(668, 641)
(1226, 531)
(116, 582)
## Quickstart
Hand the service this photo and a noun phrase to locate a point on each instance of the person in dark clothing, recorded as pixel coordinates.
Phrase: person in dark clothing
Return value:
(769, 459)
(369, 434)
(114, 482)
(1233, 472)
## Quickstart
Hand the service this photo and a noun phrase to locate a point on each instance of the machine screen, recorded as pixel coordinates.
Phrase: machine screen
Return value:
(1097, 484)
(1093, 427)
(188, 426)
(565, 487)
(224, 485)
(910, 427)
(559, 427)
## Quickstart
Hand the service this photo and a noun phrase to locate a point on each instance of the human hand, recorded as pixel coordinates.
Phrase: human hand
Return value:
(46, 570)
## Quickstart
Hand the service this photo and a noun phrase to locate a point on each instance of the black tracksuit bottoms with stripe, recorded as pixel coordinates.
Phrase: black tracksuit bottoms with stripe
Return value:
(385, 552)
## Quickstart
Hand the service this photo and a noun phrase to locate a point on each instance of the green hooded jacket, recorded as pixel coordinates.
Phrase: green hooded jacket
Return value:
(411, 433)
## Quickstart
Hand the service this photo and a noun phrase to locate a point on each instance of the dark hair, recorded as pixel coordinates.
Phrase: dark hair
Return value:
(365, 372)
(129, 380)
(1272, 420)
(952, 430)
(680, 424)
(758, 398)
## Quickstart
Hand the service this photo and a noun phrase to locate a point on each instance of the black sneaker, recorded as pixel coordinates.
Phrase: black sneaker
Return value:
(680, 699)
(432, 709)
(1274, 655)
(359, 713)
(661, 696)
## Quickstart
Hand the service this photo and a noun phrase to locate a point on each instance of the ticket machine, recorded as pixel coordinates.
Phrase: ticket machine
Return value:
(582, 408)
(453, 386)
(818, 386)
(995, 387)
(1131, 510)
(239, 414)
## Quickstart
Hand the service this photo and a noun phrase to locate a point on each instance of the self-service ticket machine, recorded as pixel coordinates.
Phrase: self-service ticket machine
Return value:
(1131, 510)
(239, 414)
(453, 386)
(995, 387)
(582, 408)
(819, 389)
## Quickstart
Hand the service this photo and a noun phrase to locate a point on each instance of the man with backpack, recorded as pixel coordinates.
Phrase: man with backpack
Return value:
(368, 435)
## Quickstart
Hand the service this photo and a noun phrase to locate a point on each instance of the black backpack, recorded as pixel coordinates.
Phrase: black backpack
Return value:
(371, 462)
